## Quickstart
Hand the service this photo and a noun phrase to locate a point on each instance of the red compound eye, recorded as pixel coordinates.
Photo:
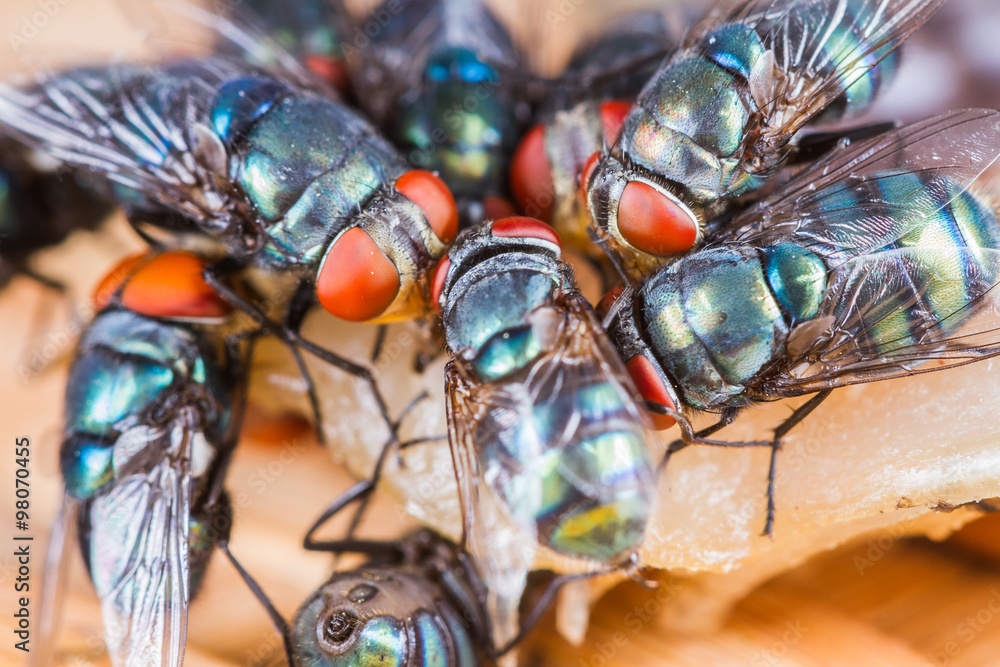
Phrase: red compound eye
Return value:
(652, 222)
(169, 285)
(437, 282)
(604, 305)
(588, 169)
(531, 175)
(651, 388)
(522, 227)
(613, 115)
(330, 70)
(434, 198)
(356, 281)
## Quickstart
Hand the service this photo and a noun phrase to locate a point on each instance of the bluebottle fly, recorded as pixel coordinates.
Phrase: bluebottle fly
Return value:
(716, 119)
(39, 208)
(583, 112)
(550, 447)
(876, 262)
(283, 177)
(270, 166)
(152, 415)
(418, 601)
(442, 78)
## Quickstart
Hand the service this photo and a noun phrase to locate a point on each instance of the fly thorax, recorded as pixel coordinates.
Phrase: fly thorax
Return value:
(306, 164)
(713, 323)
(380, 616)
(490, 313)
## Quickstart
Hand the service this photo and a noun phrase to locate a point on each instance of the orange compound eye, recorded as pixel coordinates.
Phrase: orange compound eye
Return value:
(330, 70)
(654, 223)
(613, 115)
(608, 300)
(651, 388)
(113, 280)
(434, 198)
(437, 282)
(531, 175)
(170, 285)
(356, 281)
(522, 227)
(588, 169)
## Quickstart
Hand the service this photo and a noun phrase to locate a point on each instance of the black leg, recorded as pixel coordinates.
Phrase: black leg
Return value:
(701, 437)
(358, 491)
(45, 281)
(383, 329)
(295, 342)
(383, 456)
(689, 437)
(780, 432)
(280, 624)
(545, 601)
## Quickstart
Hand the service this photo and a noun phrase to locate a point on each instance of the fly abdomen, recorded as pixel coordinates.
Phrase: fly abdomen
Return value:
(307, 164)
(126, 367)
(950, 255)
(871, 73)
(590, 460)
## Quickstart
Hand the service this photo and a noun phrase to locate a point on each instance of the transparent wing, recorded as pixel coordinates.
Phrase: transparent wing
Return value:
(897, 313)
(814, 51)
(504, 549)
(140, 127)
(239, 31)
(861, 198)
(139, 556)
(912, 255)
(53, 597)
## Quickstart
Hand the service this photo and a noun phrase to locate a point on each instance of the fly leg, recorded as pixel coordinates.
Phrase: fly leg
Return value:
(780, 432)
(383, 329)
(541, 606)
(374, 548)
(280, 624)
(362, 490)
(295, 343)
(384, 454)
(690, 437)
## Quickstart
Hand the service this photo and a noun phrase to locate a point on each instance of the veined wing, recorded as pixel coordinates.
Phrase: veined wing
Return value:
(813, 51)
(503, 548)
(130, 124)
(139, 557)
(912, 256)
(53, 597)
(866, 195)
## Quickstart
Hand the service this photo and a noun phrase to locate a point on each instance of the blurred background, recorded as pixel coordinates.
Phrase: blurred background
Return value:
(879, 601)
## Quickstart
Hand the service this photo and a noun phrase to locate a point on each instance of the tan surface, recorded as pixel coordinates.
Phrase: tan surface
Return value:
(885, 602)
